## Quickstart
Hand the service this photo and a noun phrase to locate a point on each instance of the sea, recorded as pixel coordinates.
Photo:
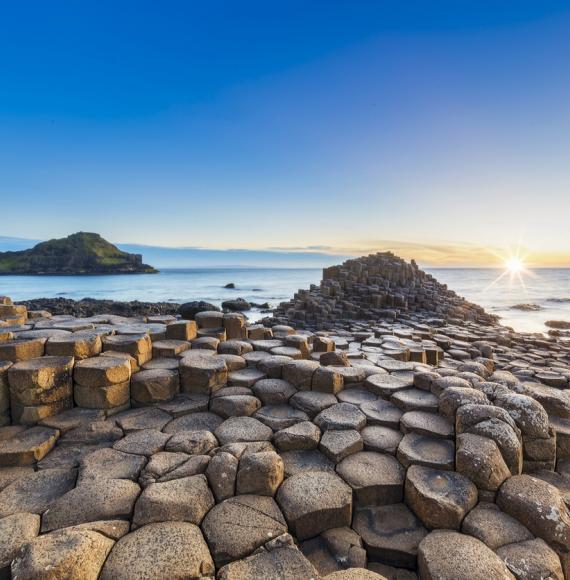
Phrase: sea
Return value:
(548, 290)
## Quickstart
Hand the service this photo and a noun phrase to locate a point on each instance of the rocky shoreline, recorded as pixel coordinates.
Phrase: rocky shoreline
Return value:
(378, 426)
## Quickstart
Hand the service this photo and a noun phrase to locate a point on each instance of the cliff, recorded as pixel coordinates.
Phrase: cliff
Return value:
(80, 253)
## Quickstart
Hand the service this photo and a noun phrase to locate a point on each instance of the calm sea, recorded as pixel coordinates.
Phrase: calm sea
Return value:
(547, 288)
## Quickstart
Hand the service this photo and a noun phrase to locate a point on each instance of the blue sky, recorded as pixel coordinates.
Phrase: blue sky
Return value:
(438, 129)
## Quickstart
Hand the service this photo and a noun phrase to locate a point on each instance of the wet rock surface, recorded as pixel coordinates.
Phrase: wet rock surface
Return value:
(378, 426)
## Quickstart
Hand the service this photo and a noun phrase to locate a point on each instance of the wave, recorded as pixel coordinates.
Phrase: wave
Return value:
(558, 300)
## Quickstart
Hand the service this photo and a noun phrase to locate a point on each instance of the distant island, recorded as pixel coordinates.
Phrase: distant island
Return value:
(79, 254)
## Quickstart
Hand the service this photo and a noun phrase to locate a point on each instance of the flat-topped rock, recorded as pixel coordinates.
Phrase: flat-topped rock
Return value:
(35, 492)
(453, 556)
(375, 478)
(303, 435)
(381, 439)
(98, 499)
(315, 501)
(341, 416)
(187, 499)
(237, 429)
(273, 391)
(300, 461)
(280, 416)
(145, 442)
(415, 400)
(74, 553)
(160, 550)
(236, 527)
(27, 447)
(101, 371)
(391, 534)
(386, 385)
(200, 421)
(495, 528)
(382, 413)
(424, 423)
(202, 375)
(416, 449)
(338, 444)
(154, 386)
(311, 402)
(441, 499)
(110, 464)
(287, 563)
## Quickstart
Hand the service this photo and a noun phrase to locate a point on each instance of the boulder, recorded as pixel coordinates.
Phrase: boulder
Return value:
(188, 310)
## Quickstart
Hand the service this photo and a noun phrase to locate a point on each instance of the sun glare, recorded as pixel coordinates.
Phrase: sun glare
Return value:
(514, 265)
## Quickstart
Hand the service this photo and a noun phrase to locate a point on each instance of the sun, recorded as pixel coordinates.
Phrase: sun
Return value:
(514, 265)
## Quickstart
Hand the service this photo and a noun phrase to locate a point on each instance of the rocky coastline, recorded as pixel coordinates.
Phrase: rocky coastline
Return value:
(377, 426)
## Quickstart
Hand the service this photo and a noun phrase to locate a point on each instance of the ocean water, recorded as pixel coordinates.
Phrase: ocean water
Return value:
(547, 288)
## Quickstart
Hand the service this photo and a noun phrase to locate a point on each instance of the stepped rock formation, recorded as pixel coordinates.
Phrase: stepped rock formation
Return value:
(201, 446)
(374, 287)
(80, 253)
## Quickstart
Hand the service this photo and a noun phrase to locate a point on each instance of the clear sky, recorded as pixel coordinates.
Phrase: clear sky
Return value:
(440, 130)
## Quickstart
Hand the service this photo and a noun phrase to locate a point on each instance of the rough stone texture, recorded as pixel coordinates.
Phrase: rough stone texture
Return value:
(239, 525)
(63, 554)
(35, 492)
(161, 550)
(99, 499)
(281, 564)
(391, 534)
(28, 446)
(479, 459)
(493, 527)
(453, 556)
(315, 501)
(15, 531)
(187, 499)
(539, 506)
(441, 499)
(532, 559)
(260, 473)
(376, 478)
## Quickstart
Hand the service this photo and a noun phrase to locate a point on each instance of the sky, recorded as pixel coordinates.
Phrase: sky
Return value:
(439, 130)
